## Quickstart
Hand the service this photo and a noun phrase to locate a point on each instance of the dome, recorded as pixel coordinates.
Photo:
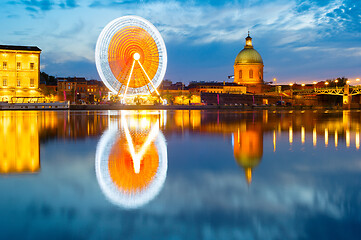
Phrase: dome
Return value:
(248, 55)
(248, 161)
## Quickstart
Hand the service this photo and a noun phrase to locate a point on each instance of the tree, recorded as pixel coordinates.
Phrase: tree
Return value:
(48, 80)
(338, 82)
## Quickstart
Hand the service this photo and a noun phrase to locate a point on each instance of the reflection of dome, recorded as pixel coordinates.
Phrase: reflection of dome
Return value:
(248, 55)
(248, 150)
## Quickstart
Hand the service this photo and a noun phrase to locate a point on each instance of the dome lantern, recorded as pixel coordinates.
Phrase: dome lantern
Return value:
(248, 42)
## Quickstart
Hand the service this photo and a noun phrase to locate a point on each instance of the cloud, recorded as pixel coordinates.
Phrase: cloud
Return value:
(195, 21)
(44, 5)
(68, 4)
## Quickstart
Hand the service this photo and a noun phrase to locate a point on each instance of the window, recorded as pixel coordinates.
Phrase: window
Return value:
(240, 74)
(18, 65)
(31, 66)
(5, 65)
(251, 73)
(18, 83)
(31, 82)
(5, 82)
(69, 87)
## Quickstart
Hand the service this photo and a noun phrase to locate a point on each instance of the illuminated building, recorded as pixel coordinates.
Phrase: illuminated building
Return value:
(75, 89)
(19, 72)
(248, 68)
(19, 142)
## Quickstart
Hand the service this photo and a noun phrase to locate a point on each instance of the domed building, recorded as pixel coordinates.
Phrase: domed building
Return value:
(248, 68)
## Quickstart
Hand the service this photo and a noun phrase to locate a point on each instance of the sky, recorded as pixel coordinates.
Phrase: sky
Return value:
(299, 41)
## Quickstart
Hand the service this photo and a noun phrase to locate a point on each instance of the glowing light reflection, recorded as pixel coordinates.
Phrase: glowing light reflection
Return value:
(290, 135)
(303, 135)
(314, 136)
(136, 186)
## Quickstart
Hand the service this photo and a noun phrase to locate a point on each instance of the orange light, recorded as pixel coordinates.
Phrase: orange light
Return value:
(127, 45)
(121, 166)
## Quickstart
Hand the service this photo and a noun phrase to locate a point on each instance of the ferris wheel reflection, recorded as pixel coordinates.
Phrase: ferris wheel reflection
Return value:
(131, 159)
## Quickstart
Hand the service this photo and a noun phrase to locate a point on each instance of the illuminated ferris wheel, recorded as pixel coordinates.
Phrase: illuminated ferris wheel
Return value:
(131, 56)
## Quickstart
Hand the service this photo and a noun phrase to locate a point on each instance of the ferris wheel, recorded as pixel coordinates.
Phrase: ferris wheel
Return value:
(131, 57)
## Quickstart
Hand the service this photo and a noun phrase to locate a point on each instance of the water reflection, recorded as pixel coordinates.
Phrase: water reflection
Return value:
(304, 167)
(19, 143)
(131, 158)
(248, 148)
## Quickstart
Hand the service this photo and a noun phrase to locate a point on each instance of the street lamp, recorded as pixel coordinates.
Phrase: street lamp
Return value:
(326, 83)
(314, 85)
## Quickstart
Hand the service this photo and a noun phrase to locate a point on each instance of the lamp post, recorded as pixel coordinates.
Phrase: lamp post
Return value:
(314, 86)
(326, 83)
(291, 84)
(275, 83)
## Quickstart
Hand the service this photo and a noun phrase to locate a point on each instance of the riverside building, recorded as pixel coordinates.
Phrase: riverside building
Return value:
(19, 72)
(248, 68)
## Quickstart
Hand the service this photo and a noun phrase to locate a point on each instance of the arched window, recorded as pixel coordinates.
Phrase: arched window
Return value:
(260, 75)
(240, 74)
(251, 73)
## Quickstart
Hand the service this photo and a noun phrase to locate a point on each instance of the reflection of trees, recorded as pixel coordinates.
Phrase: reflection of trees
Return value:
(71, 125)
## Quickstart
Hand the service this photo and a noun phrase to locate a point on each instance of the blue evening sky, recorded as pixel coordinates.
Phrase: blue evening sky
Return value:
(300, 41)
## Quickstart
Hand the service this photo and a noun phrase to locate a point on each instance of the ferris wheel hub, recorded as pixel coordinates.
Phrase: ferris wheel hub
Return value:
(136, 56)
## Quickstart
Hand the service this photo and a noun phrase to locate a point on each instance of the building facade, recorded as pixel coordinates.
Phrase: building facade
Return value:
(248, 68)
(19, 72)
(78, 90)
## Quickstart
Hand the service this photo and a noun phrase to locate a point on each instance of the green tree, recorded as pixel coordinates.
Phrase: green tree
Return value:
(339, 82)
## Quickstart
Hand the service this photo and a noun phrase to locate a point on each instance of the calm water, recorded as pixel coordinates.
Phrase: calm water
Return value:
(180, 175)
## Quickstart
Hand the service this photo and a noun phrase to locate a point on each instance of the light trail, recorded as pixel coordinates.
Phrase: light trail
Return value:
(130, 76)
(137, 157)
(150, 81)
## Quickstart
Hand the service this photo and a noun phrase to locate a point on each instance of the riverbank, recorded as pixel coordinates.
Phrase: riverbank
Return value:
(195, 107)
(91, 107)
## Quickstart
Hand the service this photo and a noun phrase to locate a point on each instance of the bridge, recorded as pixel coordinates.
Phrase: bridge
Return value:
(347, 90)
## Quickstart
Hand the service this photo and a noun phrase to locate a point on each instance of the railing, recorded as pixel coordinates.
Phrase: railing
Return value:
(330, 91)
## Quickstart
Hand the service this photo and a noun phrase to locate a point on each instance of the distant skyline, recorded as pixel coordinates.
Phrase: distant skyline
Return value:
(299, 41)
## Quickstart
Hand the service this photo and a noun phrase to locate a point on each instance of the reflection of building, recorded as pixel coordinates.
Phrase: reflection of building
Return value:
(19, 71)
(248, 148)
(248, 68)
(19, 142)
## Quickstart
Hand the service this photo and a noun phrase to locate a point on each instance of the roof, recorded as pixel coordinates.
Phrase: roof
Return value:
(21, 48)
(71, 79)
(248, 56)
